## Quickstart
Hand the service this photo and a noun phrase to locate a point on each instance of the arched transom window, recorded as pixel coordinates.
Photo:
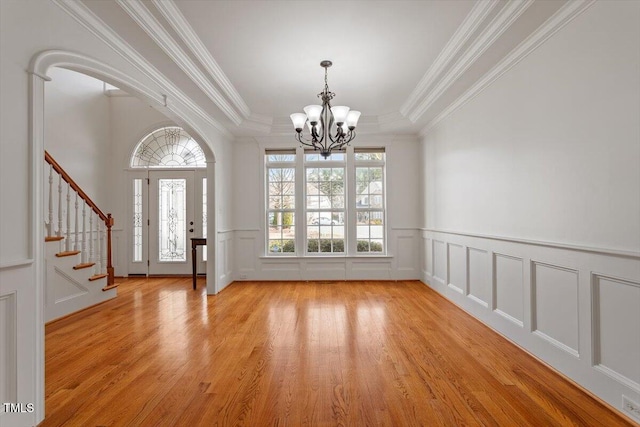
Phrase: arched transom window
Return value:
(168, 147)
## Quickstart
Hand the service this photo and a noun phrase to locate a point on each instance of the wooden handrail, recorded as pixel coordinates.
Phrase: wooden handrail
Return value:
(76, 187)
(108, 219)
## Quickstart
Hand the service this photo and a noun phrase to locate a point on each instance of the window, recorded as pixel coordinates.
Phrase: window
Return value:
(168, 147)
(325, 202)
(341, 202)
(281, 201)
(369, 203)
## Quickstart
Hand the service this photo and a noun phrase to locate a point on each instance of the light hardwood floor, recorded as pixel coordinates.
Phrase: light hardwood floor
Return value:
(322, 354)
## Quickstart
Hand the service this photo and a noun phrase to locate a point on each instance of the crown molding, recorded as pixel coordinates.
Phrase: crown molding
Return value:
(507, 16)
(452, 49)
(107, 35)
(551, 26)
(141, 16)
(392, 121)
(258, 122)
(171, 13)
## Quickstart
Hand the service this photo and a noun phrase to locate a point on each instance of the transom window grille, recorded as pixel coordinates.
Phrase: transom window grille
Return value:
(281, 201)
(168, 147)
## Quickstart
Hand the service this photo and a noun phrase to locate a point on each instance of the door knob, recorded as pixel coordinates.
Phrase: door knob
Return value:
(191, 230)
(191, 223)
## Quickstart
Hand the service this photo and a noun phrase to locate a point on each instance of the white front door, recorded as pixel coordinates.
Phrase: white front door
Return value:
(172, 221)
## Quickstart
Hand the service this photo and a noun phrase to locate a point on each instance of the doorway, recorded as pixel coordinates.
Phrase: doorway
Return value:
(168, 203)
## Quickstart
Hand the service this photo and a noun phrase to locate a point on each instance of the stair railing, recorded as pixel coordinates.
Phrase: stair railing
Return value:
(92, 250)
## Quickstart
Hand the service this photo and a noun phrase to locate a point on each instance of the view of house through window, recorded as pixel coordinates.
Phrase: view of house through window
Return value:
(281, 201)
(327, 199)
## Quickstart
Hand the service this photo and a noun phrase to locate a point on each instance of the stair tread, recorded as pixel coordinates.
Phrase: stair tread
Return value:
(97, 276)
(106, 288)
(84, 265)
(67, 253)
(53, 238)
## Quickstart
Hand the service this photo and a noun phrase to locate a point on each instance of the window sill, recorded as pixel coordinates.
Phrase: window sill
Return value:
(326, 257)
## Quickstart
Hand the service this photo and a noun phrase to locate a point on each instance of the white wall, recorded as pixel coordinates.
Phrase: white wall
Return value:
(402, 218)
(550, 153)
(78, 131)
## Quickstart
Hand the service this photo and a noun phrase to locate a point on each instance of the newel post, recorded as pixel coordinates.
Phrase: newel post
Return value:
(110, 272)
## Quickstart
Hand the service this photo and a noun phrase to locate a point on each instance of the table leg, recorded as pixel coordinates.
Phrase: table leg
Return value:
(193, 264)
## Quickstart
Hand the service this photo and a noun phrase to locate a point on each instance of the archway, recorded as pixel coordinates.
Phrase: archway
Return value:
(39, 67)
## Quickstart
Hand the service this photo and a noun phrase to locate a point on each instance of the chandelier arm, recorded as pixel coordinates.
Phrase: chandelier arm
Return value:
(301, 139)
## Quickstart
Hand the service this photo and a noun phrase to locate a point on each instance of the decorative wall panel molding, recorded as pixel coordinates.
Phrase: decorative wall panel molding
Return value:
(440, 261)
(8, 349)
(457, 268)
(616, 320)
(479, 276)
(577, 310)
(65, 287)
(555, 305)
(508, 283)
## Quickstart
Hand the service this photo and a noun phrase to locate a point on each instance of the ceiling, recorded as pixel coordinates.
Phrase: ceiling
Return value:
(249, 64)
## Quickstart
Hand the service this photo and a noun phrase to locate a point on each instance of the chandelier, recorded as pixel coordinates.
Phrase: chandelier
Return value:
(330, 128)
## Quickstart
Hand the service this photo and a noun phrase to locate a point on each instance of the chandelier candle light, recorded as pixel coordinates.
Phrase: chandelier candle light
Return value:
(330, 128)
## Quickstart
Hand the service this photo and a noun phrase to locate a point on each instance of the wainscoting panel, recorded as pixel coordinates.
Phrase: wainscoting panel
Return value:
(457, 268)
(65, 287)
(577, 309)
(428, 256)
(617, 328)
(508, 288)
(555, 302)
(369, 269)
(440, 262)
(479, 272)
(225, 255)
(8, 349)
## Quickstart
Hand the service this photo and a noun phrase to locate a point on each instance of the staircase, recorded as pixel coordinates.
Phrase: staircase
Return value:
(79, 272)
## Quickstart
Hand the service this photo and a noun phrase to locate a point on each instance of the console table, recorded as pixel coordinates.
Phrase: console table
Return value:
(195, 242)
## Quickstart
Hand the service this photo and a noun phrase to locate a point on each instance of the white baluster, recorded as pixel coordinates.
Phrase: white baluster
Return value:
(98, 268)
(83, 255)
(50, 225)
(76, 246)
(59, 233)
(67, 243)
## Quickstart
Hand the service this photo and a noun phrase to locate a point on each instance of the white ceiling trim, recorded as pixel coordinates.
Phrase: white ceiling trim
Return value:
(96, 26)
(181, 26)
(258, 122)
(453, 47)
(141, 15)
(489, 35)
(551, 26)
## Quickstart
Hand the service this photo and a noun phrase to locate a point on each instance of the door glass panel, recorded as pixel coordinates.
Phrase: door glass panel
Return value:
(172, 220)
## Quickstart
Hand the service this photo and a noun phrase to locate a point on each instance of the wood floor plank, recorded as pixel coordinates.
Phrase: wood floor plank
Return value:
(297, 353)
